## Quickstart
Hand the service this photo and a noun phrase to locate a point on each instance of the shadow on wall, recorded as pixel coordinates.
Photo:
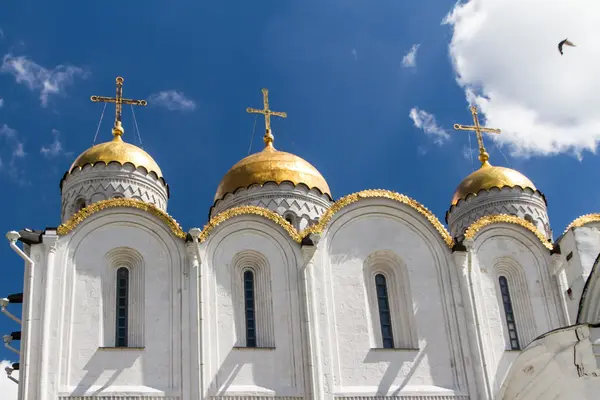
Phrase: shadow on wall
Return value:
(262, 361)
(104, 364)
(399, 362)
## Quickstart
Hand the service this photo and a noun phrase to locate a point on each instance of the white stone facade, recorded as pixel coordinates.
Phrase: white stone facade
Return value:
(523, 203)
(321, 320)
(92, 183)
(298, 204)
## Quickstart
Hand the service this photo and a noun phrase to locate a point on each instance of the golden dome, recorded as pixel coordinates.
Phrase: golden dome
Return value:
(488, 177)
(271, 165)
(119, 151)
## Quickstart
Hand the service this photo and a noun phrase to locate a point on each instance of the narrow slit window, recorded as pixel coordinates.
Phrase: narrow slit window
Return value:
(122, 307)
(250, 309)
(511, 324)
(385, 317)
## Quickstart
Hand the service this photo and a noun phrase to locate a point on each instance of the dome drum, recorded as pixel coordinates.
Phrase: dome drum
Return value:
(496, 190)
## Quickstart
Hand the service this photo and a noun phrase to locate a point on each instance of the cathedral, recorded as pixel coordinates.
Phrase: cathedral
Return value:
(288, 293)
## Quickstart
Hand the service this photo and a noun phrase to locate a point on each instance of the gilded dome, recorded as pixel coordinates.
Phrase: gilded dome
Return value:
(119, 151)
(488, 177)
(271, 165)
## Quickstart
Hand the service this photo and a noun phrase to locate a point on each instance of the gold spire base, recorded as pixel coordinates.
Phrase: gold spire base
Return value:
(268, 139)
(118, 131)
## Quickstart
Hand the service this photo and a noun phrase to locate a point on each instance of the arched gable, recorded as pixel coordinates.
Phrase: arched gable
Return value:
(583, 221)
(86, 212)
(489, 220)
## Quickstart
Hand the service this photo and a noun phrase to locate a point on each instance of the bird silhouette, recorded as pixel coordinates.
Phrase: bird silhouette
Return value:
(562, 43)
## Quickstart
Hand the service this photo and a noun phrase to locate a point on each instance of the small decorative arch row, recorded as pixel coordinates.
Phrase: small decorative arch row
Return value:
(482, 222)
(328, 215)
(582, 221)
(93, 208)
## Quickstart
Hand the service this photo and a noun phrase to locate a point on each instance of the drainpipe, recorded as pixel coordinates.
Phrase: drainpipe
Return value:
(3, 303)
(12, 237)
(195, 234)
(9, 371)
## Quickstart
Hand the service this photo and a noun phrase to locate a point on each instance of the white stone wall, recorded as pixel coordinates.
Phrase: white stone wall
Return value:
(97, 182)
(511, 251)
(319, 334)
(581, 246)
(559, 365)
(351, 362)
(303, 206)
(526, 204)
(79, 360)
(276, 367)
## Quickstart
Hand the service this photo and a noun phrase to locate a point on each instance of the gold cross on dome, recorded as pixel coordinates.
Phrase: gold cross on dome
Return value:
(483, 155)
(119, 101)
(267, 113)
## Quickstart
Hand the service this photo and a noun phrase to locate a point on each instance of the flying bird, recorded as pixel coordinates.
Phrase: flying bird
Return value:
(562, 43)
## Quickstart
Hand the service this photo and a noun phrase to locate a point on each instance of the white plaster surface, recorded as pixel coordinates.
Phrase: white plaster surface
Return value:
(317, 319)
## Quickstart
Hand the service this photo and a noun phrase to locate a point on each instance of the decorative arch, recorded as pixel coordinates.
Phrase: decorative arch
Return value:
(249, 210)
(255, 262)
(399, 297)
(115, 260)
(487, 220)
(519, 294)
(86, 212)
(382, 194)
(582, 221)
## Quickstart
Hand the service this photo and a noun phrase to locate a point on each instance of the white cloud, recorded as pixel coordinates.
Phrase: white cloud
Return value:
(410, 59)
(425, 121)
(8, 388)
(1, 33)
(506, 58)
(172, 100)
(12, 138)
(1, 102)
(37, 78)
(354, 54)
(55, 148)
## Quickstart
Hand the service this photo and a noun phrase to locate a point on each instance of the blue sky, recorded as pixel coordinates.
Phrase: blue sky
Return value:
(335, 67)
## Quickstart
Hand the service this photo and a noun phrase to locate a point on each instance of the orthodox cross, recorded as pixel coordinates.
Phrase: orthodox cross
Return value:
(267, 113)
(119, 101)
(483, 155)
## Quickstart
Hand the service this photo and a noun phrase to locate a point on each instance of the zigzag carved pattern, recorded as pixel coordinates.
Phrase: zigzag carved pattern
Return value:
(106, 188)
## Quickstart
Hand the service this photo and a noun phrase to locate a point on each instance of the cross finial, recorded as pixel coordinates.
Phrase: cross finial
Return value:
(483, 155)
(268, 138)
(119, 101)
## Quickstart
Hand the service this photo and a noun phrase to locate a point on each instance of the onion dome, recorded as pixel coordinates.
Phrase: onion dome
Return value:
(271, 165)
(515, 194)
(488, 177)
(281, 182)
(113, 169)
(117, 151)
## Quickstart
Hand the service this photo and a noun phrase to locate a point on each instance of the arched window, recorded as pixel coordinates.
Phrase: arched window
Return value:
(122, 307)
(509, 314)
(529, 218)
(249, 308)
(385, 318)
(79, 205)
